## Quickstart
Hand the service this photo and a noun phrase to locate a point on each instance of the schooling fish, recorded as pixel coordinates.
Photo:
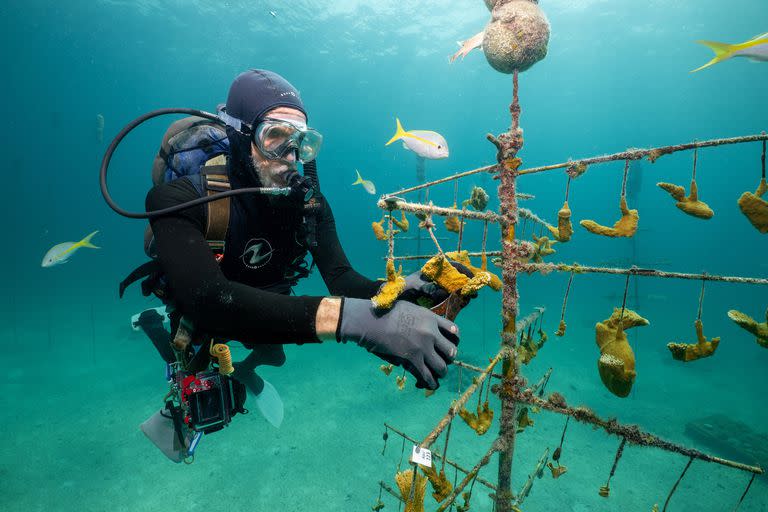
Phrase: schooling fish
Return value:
(755, 49)
(367, 184)
(425, 143)
(60, 253)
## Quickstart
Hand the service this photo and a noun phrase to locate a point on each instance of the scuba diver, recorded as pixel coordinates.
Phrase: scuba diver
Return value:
(225, 268)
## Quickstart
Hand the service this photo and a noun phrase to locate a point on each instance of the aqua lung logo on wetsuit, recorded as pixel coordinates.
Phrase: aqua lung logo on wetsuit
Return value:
(257, 253)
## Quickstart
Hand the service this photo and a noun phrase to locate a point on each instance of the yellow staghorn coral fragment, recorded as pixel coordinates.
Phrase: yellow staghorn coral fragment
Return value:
(617, 360)
(564, 230)
(755, 208)
(479, 422)
(440, 270)
(655, 154)
(452, 222)
(403, 480)
(380, 232)
(386, 368)
(691, 204)
(478, 199)
(391, 289)
(403, 223)
(543, 248)
(475, 283)
(626, 226)
(750, 324)
(557, 471)
(604, 491)
(440, 485)
(691, 352)
(576, 170)
(400, 381)
(523, 420)
(463, 258)
(561, 329)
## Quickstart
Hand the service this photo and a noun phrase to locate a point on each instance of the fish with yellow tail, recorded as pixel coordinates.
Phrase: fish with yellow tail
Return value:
(425, 143)
(367, 184)
(755, 49)
(60, 253)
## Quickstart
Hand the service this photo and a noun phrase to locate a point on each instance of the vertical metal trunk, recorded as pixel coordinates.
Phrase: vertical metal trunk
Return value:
(508, 144)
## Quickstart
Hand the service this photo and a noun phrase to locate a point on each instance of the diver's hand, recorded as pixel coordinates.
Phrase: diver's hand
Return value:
(406, 335)
(417, 286)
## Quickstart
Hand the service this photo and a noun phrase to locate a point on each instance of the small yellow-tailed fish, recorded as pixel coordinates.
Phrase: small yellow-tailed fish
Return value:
(425, 143)
(60, 253)
(367, 184)
(755, 49)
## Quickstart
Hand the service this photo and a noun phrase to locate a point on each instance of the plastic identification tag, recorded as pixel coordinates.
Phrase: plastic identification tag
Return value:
(421, 456)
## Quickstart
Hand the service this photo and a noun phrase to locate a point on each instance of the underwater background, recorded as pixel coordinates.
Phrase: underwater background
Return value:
(77, 381)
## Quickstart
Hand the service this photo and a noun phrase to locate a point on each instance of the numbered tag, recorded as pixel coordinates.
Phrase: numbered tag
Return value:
(421, 456)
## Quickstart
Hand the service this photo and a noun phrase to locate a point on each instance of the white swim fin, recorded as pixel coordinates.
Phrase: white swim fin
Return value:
(270, 405)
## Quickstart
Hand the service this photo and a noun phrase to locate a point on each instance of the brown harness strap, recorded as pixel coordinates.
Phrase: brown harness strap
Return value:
(215, 180)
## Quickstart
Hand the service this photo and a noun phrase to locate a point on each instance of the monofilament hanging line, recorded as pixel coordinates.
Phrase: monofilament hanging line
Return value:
(385, 437)
(619, 452)
(701, 296)
(445, 446)
(402, 452)
(674, 487)
(559, 450)
(744, 494)
(567, 188)
(695, 159)
(565, 298)
(624, 179)
(624, 300)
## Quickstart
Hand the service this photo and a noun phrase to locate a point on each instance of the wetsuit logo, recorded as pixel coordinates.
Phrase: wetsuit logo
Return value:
(257, 253)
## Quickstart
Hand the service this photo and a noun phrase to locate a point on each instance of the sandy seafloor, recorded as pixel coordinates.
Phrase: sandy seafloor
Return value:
(73, 443)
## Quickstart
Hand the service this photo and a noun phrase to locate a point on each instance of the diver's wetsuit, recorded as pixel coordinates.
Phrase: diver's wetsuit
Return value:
(245, 297)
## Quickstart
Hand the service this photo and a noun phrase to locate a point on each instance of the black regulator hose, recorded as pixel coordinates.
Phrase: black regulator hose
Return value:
(173, 209)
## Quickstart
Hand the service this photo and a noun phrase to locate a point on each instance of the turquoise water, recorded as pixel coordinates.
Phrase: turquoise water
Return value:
(78, 381)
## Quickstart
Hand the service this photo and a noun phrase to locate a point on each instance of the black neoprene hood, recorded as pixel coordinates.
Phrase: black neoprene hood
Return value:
(257, 91)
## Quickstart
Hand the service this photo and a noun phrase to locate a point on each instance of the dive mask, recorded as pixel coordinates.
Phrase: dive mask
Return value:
(276, 138)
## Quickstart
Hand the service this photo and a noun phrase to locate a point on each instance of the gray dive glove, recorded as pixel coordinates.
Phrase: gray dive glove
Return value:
(406, 335)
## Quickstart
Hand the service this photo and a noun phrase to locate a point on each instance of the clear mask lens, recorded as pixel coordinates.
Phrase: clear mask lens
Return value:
(278, 138)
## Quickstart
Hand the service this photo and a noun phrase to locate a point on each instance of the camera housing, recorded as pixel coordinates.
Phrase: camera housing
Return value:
(210, 400)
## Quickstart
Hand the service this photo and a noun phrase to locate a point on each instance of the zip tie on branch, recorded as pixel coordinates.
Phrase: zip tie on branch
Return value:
(645, 272)
(438, 456)
(651, 153)
(632, 433)
(495, 447)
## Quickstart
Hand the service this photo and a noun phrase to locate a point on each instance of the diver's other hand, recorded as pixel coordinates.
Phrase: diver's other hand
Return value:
(417, 287)
(407, 335)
